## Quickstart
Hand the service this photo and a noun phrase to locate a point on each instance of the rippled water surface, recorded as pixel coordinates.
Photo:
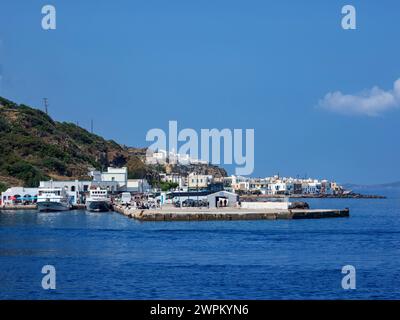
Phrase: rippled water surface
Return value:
(107, 256)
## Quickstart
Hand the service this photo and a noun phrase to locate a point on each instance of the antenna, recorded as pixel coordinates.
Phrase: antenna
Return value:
(91, 126)
(46, 104)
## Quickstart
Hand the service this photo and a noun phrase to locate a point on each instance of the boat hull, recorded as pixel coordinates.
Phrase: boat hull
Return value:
(98, 206)
(49, 206)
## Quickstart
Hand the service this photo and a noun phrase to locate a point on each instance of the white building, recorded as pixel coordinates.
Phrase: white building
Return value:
(155, 157)
(222, 199)
(12, 195)
(309, 188)
(69, 185)
(163, 156)
(73, 187)
(120, 175)
(199, 181)
(138, 185)
(174, 178)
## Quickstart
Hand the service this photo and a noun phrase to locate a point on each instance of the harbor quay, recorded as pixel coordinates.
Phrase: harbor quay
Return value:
(177, 197)
(206, 214)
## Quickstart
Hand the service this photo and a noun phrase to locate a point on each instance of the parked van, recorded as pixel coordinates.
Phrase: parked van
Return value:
(126, 198)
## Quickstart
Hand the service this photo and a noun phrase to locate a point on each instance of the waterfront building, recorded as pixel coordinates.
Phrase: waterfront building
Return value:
(297, 187)
(237, 183)
(138, 185)
(110, 186)
(258, 184)
(77, 188)
(199, 181)
(73, 188)
(222, 199)
(16, 195)
(68, 185)
(289, 187)
(243, 186)
(277, 187)
(174, 178)
(326, 187)
(336, 189)
(309, 187)
(120, 175)
(95, 174)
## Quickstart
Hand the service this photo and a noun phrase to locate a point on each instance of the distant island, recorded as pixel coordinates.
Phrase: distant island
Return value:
(391, 185)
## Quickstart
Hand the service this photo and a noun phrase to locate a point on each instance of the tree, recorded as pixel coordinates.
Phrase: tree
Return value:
(166, 186)
(3, 187)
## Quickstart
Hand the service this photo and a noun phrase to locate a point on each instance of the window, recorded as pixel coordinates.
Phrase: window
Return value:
(73, 188)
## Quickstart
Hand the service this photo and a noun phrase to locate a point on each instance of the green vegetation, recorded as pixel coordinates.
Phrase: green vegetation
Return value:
(3, 187)
(166, 186)
(34, 147)
(26, 172)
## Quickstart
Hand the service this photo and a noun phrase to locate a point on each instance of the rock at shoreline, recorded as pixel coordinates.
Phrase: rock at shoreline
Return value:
(299, 205)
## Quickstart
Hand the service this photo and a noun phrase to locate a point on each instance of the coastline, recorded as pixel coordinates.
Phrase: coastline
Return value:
(204, 214)
(312, 196)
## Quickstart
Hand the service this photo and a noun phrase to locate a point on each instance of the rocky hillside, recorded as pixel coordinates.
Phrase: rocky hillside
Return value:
(34, 147)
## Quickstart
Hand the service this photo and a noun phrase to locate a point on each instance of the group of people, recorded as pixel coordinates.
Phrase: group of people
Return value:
(222, 203)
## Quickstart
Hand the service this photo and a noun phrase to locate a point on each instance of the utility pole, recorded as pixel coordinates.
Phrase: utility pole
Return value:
(46, 104)
(197, 180)
(91, 126)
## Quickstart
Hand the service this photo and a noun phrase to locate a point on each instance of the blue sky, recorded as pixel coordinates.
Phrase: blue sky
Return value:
(267, 65)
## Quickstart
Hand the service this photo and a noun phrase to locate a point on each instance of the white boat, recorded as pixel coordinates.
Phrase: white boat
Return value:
(98, 200)
(53, 199)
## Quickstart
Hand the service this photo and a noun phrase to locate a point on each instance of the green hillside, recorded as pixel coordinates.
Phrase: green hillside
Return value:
(34, 147)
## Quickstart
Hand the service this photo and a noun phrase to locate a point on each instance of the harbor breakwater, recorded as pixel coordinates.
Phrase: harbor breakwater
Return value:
(205, 214)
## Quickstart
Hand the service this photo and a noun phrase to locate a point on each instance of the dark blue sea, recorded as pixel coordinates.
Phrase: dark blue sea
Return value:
(108, 256)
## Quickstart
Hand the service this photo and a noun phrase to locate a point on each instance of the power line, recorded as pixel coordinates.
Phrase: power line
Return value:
(46, 104)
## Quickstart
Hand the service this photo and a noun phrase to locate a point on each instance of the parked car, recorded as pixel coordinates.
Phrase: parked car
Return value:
(188, 203)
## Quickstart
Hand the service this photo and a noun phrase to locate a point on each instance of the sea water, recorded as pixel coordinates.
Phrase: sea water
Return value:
(108, 256)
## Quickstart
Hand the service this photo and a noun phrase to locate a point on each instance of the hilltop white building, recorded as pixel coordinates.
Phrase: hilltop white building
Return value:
(163, 157)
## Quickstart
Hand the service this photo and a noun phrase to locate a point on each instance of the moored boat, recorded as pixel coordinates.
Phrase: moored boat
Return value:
(98, 200)
(52, 199)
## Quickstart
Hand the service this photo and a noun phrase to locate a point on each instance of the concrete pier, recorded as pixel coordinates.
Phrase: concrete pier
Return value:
(204, 214)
